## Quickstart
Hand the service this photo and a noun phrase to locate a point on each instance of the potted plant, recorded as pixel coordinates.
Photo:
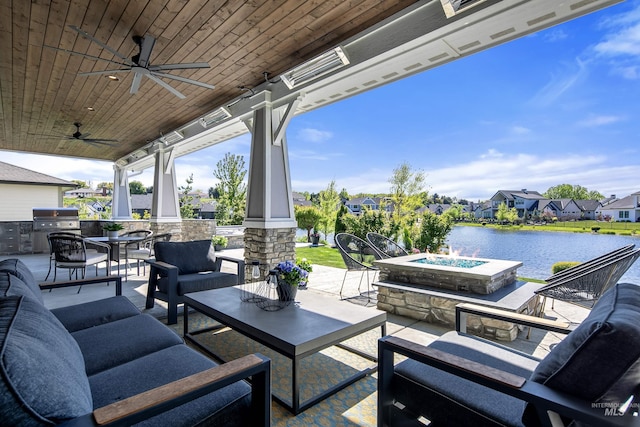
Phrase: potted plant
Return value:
(219, 242)
(112, 229)
(290, 276)
(315, 238)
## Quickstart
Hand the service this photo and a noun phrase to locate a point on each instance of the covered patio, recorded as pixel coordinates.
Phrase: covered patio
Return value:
(354, 406)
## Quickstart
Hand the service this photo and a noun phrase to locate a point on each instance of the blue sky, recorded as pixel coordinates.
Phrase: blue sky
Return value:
(559, 106)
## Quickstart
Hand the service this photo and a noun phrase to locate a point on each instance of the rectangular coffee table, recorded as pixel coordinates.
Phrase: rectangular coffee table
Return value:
(311, 324)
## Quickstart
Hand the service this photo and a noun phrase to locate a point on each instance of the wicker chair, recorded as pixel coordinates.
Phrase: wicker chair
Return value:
(585, 283)
(385, 246)
(358, 255)
(71, 252)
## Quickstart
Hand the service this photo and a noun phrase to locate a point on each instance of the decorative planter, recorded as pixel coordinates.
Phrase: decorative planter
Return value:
(315, 240)
(286, 292)
(113, 234)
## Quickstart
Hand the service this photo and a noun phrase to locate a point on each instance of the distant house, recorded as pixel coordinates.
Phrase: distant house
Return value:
(525, 202)
(299, 199)
(141, 203)
(588, 208)
(626, 209)
(357, 205)
(83, 192)
(22, 189)
(208, 210)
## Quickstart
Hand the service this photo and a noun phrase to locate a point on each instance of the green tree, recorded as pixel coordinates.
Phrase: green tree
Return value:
(407, 186)
(186, 206)
(340, 226)
(232, 189)
(506, 215)
(81, 184)
(433, 231)
(136, 187)
(368, 221)
(344, 195)
(329, 201)
(307, 218)
(568, 191)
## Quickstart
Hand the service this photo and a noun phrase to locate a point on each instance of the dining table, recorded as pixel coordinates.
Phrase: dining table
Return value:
(115, 243)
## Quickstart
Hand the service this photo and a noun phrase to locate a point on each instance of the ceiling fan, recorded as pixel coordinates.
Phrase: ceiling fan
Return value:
(139, 64)
(77, 135)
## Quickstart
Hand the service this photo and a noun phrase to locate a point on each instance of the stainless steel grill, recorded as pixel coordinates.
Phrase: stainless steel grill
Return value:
(46, 220)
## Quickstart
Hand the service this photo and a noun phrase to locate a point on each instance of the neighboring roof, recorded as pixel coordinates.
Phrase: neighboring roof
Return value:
(588, 205)
(523, 194)
(141, 201)
(12, 174)
(209, 206)
(629, 202)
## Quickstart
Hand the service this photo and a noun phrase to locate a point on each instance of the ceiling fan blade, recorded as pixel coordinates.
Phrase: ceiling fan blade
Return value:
(71, 52)
(93, 73)
(99, 141)
(183, 79)
(179, 66)
(166, 86)
(137, 77)
(99, 43)
(145, 50)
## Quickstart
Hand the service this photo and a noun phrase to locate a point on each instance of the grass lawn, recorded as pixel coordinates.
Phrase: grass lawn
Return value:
(321, 255)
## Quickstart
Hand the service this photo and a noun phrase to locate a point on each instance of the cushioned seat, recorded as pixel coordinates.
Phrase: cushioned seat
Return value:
(94, 313)
(168, 365)
(118, 342)
(197, 282)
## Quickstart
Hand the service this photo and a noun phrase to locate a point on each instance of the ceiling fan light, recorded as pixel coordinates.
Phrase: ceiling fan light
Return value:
(316, 67)
(113, 78)
(215, 117)
(171, 137)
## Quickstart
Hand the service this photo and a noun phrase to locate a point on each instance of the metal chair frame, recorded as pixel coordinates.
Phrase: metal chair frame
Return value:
(385, 246)
(137, 251)
(70, 252)
(356, 253)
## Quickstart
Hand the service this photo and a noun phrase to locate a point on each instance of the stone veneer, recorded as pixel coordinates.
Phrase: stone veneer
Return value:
(437, 307)
(269, 246)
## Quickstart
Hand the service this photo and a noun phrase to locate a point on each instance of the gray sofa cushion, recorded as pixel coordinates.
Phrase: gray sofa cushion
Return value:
(121, 341)
(41, 367)
(599, 360)
(18, 269)
(190, 257)
(94, 313)
(200, 282)
(169, 365)
(453, 401)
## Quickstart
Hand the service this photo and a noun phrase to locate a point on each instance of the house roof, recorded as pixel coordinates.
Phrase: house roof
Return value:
(588, 205)
(629, 202)
(12, 174)
(523, 194)
(141, 201)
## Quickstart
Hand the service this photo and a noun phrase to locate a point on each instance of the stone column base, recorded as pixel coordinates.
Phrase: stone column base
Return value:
(173, 228)
(269, 246)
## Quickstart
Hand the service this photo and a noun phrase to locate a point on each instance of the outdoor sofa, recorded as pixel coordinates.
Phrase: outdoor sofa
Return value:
(106, 363)
(183, 267)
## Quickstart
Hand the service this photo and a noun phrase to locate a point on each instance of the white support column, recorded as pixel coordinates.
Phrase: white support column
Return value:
(269, 195)
(121, 204)
(165, 205)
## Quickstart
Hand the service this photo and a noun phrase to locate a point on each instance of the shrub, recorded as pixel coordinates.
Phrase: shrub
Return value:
(562, 265)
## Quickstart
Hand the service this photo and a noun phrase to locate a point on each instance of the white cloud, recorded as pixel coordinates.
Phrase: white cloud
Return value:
(559, 84)
(595, 121)
(314, 135)
(555, 35)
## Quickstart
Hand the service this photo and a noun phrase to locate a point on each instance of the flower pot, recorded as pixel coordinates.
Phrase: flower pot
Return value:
(286, 292)
(315, 240)
(113, 234)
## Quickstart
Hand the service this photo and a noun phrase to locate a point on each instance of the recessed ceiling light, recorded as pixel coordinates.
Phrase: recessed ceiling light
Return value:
(91, 109)
(112, 77)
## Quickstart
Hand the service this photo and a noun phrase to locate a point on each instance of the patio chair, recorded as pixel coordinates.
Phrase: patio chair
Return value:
(52, 258)
(385, 246)
(142, 250)
(358, 255)
(74, 253)
(588, 378)
(587, 282)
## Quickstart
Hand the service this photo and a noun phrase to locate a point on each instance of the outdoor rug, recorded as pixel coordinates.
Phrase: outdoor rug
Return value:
(353, 406)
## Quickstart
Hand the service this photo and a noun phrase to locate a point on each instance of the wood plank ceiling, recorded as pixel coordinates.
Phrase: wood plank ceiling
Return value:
(41, 95)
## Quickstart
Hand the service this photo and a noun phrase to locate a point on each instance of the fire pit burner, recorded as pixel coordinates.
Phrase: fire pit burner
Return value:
(450, 261)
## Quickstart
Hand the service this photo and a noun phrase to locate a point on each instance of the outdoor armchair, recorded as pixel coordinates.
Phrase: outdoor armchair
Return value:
(183, 267)
(387, 247)
(358, 255)
(585, 283)
(463, 380)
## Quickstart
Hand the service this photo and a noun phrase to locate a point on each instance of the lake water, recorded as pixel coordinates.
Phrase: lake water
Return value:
(538, 250)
